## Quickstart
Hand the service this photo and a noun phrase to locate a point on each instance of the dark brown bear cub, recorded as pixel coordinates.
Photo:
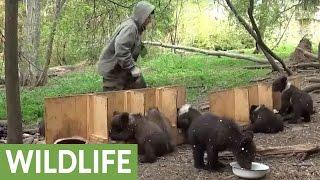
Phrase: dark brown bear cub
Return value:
(212, 134)
(151, 139)
(263, 120)
(293, 100)
(154, 115)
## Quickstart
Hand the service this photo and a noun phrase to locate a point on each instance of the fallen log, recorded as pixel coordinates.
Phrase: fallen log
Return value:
(3, 122)
(61, 70)
(207, 52)
(299, 66)
(314, 80)
(319, 53)
(307, 65)
(260, 79)
(311, 88)
(258, 67)
(309, 71)
(280, 151)
(313, 56)
(31, 131)
(297, 149)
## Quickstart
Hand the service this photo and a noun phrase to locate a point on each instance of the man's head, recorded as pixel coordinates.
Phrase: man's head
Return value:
(149, 19)
(143, 14)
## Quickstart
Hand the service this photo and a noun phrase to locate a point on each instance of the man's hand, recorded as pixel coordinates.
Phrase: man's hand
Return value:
(135, 72)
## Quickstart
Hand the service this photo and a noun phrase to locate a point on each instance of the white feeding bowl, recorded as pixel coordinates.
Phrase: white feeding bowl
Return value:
(257, 170)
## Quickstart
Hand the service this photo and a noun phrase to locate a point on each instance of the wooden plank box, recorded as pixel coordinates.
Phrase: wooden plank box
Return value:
(89, 115)
(236, 103)
(80, 115)
(259, 94)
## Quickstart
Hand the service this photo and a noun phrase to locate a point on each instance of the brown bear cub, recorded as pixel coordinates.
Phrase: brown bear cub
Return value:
(263, 120)
(151, 139)
(212, 134)
(153, 114)
(293, 100)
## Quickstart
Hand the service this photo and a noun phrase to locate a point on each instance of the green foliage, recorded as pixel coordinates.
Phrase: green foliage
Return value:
(200, 28)
(285, 51)
(1, 25)
(267, 14)
(85, 26)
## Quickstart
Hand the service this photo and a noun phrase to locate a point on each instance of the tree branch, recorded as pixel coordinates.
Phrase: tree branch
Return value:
(2, 38)
(253, 34)
(241, 20)
(212, 53)
(120, 5)
(43, 76)
(253, 22)
(293, 6)
(285, 30)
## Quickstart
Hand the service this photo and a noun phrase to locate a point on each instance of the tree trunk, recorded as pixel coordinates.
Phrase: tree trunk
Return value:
(265, 48)
(11, 72)
(311, 88)
(319, 53)
(262, 29)
(262, 25)
(177, 16)
(30, 68)
(44, 75)
(258, 49)
(271, 61)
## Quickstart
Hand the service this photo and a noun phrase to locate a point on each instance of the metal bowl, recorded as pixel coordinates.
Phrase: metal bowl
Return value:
(257, 170)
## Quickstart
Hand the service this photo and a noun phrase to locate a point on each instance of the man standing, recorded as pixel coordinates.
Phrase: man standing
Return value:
(117, 61)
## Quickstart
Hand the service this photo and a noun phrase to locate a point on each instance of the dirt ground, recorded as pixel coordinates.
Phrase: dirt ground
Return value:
(179, 165)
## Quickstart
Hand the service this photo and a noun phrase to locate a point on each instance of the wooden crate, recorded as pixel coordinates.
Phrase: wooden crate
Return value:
(260, 94)
(89, 116)
(180, 101)
(276, 96)
(236, 103)
(167, 99)
(231, 103)
(167, 103)
(123, 101)
(80, 115)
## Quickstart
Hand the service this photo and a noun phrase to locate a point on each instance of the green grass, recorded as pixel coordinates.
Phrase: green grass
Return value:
(168, 69)
(33, 100)
(284, 51)
(194, 71)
